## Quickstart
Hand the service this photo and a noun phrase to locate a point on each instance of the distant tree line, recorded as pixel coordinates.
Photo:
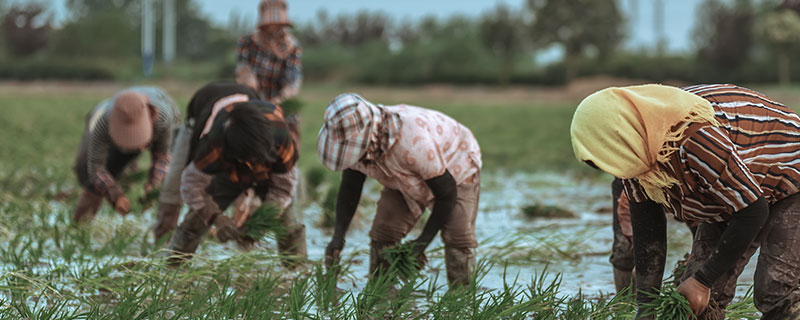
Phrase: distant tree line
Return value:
(734, 40)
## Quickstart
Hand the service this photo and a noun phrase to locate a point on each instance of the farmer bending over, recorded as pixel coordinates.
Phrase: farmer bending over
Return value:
(117, 131)
(235, 144)
(423, 159)
(720, 155)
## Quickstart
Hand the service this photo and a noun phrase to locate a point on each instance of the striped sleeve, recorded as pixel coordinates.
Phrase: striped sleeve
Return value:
(634, 191)
(721, 175)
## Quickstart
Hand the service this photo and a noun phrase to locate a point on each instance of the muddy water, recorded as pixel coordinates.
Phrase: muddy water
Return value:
(577, 248)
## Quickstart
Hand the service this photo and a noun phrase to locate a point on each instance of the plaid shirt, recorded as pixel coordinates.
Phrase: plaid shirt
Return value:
(210, 159)
(277, 78)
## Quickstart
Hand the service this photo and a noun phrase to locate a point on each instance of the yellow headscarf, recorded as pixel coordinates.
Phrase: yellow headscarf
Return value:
(625, 131)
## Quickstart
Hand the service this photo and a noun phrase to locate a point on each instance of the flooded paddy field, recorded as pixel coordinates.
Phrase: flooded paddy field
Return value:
(543, 268)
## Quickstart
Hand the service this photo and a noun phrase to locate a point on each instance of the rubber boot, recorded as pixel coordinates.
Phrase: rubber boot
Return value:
(293, 246)
(187, 238)
(166, 220)
(88, 205)
(460, 263)
(622, 279)
(377, 262)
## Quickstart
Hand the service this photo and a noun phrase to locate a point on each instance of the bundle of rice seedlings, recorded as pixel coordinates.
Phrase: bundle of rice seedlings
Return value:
(263, 222)
(402, 261)
(292, 105)
(546, 211)
(669, 304)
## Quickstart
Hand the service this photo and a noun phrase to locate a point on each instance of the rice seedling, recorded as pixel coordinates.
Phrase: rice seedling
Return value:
(668, 304)
(538, 210)
(265, 221)
(402, 261)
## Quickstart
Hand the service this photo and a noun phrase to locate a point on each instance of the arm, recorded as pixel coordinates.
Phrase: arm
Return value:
(445, 193)
(292, 77)
(649, 247)
(102, 180)
(245, 75)
(346, 204)
(742, 229)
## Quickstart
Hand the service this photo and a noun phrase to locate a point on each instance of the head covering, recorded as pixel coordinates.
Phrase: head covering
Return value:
(627, 131)
(355, 128)
(129, 122)
(273, 12)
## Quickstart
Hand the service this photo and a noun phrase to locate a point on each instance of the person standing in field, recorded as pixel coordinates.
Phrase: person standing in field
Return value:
(720, 155)
(117, 131)
(232, 142)
(423, 159)
(269, 60)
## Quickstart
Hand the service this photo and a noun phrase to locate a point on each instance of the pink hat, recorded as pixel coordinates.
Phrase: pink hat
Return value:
(129, 122)
(273, 12)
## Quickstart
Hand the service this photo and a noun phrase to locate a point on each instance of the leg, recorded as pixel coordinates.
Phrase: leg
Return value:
(622, 248)
(219, 194)
(458, 235)
(777, 277)
(293, 243)
(393, 221)
(723, 291)
(169, 198)
(89, 201)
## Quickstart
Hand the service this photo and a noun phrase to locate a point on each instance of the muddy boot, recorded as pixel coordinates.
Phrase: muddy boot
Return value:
(166, 220)
(460, 263)
(88, 205)
(377, 262)
(187, 238)
(293, 245)
(622, 279)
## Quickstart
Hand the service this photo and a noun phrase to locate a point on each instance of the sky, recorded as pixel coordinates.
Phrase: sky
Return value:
(679, 15)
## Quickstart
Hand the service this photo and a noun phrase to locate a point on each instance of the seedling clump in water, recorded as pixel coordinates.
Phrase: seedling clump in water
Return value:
(546, 211)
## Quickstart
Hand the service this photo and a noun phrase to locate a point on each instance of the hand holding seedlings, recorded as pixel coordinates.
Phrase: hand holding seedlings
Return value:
(333, 252)
(696, 293)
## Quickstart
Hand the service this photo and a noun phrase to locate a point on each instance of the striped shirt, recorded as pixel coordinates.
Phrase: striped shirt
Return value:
(100, 141)
(755, 152)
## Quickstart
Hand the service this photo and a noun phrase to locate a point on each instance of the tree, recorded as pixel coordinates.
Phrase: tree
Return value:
(501, 31)
(577, 25)
(782, 30)
(723, 33)
(25, 29)
(83, 8)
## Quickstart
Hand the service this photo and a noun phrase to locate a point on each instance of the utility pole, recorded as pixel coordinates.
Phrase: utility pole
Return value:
(169, 31)
(148, 38)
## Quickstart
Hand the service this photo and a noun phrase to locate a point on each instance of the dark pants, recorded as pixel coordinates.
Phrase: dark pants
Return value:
(116, 162)
(777, 276)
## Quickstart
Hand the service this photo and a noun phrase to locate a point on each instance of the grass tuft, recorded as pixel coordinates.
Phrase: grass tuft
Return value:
(546, 211)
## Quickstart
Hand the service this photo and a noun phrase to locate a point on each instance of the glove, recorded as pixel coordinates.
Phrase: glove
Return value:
(122, 205)
(226, 229)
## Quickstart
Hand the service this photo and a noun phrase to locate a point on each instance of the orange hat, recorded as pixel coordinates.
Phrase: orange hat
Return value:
(273, 12)
(129, 122)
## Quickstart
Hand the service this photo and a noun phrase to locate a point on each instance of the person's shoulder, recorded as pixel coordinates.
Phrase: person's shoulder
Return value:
(293, 41)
